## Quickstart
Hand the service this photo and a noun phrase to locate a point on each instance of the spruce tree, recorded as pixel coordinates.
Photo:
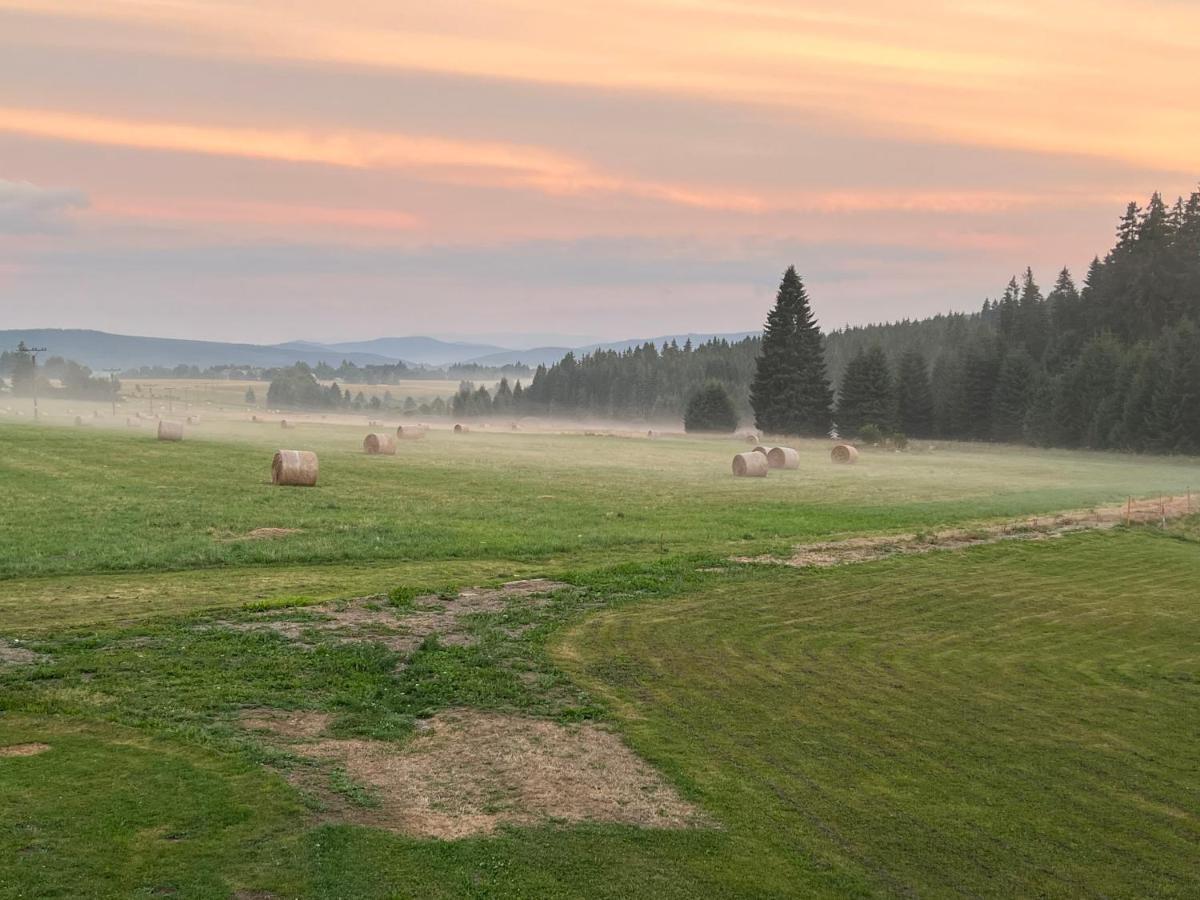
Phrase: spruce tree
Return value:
(1014, 395)
(790, 393)
(710, 409)
(914, 396)
(865, 397)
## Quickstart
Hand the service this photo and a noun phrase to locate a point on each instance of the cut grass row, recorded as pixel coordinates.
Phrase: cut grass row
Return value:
(1011, 720)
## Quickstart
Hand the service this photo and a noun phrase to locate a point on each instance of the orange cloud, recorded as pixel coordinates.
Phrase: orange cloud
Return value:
(1104, 78)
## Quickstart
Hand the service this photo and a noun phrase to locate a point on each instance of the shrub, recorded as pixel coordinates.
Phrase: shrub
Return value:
(710, 409)
(871, 434)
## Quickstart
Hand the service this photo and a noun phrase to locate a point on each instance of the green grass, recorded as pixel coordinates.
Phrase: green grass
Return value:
(101, 501)
(1010, 721)
(1014, 720)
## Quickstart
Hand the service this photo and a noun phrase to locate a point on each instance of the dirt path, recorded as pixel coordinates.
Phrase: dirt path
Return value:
(1033, 528)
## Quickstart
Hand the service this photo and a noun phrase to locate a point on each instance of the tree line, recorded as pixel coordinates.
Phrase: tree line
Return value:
(56, 377)
(1114, 363)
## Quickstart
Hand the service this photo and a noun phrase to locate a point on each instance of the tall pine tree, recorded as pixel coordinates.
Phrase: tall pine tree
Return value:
(790, 393)
(914, 396)
(866, 394)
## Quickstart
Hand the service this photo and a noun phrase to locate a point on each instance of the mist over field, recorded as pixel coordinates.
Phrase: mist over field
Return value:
(644, 449)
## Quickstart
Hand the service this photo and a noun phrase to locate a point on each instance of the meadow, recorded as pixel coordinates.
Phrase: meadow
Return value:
(1011, 719)
(199, 395)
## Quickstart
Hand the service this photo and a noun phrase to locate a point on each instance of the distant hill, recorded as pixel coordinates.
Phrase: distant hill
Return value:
(101, 350)
(423, 350)
(550, 355)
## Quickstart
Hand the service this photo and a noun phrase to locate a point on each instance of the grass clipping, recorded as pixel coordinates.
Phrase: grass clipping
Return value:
(470, 772)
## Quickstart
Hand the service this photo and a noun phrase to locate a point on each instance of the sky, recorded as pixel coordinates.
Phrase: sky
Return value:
(269, 170)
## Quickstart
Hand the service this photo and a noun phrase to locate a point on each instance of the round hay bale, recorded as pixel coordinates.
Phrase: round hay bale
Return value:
(79, 420)
(170, 431)
(761, 449)
(783, 458)
(379, 444)
(844, 454)
(254, 418)
(193, 420)
(461, 429)
(750, 437)
(750, 465)
(284, 423)
(410, 432)
(294, 467)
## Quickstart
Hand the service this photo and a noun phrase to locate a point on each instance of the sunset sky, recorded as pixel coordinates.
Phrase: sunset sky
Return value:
(262, 171)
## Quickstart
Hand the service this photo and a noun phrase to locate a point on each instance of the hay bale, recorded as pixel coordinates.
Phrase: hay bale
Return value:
(78, 420)
(193, 420)
(283, 423)
(751, 438)
(750, 465)
(844, 454)
(294, 467)
(761, 449)
(410, 432)
(461, 429)
(170, 431)
(783, 458)
(379, 444)
(254, 418)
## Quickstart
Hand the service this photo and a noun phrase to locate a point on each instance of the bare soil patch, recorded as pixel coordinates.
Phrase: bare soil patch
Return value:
(403, 630)
(1034, 528)
(23, 749)
(296, 725)
(469, 772)
(11, 654)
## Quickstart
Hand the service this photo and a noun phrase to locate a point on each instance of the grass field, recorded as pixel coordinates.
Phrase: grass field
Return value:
(1010, 720)
(195, 393)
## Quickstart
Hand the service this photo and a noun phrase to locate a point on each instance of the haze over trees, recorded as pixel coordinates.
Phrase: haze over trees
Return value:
(1114, 363)
(711, 410)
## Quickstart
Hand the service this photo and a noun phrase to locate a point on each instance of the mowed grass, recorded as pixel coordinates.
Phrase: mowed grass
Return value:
(1014, 720)
(1009, 721)
(191, 395)
(92, 500)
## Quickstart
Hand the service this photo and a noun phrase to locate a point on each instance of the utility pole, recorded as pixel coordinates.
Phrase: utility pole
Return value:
(112, 377)
(33, 352)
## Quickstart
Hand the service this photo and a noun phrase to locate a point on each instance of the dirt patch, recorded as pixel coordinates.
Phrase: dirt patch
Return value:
(470, 772)
(23, 749)
(1034, 528)
(403, 630)
(296, 725)
(11, 654)
(258, 534)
